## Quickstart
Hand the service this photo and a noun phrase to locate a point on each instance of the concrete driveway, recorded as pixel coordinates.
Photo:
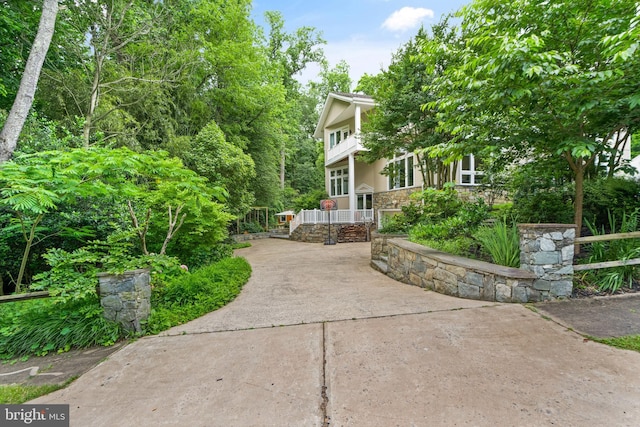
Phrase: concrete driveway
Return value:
(318, 338)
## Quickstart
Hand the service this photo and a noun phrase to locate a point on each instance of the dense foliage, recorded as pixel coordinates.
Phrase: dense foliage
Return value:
(38, 327)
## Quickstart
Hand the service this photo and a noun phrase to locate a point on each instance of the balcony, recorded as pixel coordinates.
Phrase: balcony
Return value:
(343, 149)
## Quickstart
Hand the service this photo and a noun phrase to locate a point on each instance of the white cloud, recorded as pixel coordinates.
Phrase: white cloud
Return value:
(362, 54)
(406, 18)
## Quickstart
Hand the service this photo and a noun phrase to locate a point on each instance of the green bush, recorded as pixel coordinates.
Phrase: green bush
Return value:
(542, 192)
(310, 200)
(460, 245)
(612, 279)
(609, 196)
(437, 214)
(198, 293)
(40, 327)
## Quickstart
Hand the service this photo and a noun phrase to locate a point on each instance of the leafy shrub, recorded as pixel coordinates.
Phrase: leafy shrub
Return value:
(611, 280)
(309, 201)
(251, 227)
(437, 214)
(206, 256)
(394, 224)
(193, 295)
(72, 275)
(459, 245)
(59, 324)
(609, 196)
(501, 242)
(542, 192)
(43, 326)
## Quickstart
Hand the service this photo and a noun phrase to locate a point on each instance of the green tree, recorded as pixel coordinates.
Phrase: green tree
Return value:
(224, 164)
(536, 78)
(400, 122)
(160, 196)
(29, 81)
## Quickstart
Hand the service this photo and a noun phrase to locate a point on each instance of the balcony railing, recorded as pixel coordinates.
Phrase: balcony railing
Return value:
(343, 149)
(340, 216)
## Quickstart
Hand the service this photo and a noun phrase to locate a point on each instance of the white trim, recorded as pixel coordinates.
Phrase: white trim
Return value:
(364, 188)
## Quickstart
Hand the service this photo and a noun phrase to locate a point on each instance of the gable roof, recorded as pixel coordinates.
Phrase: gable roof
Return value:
(351, 98)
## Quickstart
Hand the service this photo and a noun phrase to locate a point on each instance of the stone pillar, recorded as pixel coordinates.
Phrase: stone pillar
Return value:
(547, 251)
(126, 298)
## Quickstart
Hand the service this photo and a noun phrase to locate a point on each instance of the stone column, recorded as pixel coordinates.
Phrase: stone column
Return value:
(126, 298)
(547, 251)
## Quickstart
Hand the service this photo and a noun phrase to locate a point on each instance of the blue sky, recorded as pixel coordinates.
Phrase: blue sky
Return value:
(362, 32)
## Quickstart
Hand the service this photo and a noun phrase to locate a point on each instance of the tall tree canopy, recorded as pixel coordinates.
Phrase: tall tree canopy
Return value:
(400, 123)
(540, 77)
(152, 75)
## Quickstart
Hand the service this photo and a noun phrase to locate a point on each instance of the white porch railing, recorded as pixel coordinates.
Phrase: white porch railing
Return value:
(343, 216)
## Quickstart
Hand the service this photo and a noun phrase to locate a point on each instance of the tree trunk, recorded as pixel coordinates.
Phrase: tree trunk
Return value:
(579, 196)
(282, 166)
(95, 94)
(26, 91)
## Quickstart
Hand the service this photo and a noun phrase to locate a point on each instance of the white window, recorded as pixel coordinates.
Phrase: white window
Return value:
(339, 182)
(401, 172)
(337, 136)
(470, 170)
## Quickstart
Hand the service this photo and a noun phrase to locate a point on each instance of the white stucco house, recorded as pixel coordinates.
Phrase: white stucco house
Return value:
(362, 192)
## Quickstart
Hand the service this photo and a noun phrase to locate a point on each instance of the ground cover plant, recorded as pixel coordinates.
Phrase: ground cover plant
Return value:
(38, 327)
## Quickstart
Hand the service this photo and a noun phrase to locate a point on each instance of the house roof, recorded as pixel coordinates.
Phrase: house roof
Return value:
(352, 98)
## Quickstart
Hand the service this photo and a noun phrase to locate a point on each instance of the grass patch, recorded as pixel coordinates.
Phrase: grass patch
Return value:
(241, 245)
(630, 342)
(15, 394)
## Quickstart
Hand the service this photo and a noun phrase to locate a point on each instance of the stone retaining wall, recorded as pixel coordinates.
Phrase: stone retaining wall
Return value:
(341, 233)
(238, 238)
(546, 267)
(379, 244)
(458, 276)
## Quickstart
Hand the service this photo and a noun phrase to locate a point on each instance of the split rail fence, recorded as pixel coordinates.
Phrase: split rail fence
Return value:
(607, 264)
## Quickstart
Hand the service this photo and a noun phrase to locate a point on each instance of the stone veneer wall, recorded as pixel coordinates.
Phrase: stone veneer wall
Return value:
(250, 236)
(126, 297)
(314, 233)
(547, 250)
(380, 246)
(458, 276)
(393, 199)
(341, 233)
